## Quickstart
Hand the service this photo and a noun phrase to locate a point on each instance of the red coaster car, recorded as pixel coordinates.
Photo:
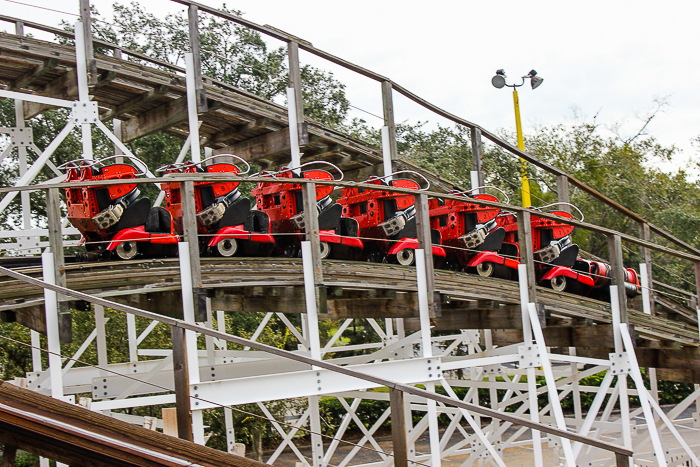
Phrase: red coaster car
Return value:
(387, 220)
(280, 211)
(221, 210)
(111, 218)
(554, 251)
(466, 228)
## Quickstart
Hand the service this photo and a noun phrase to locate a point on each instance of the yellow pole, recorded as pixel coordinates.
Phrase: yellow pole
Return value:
(525, 183)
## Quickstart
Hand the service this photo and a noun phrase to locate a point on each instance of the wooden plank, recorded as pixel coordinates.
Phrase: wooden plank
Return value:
(182, 384)
(679, 376)
(269, 144)
(169, 421)
(398, 428)
(127, 106)
(98, 440)
(31, 76)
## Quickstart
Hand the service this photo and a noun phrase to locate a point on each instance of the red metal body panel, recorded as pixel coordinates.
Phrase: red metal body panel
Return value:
(239, 233)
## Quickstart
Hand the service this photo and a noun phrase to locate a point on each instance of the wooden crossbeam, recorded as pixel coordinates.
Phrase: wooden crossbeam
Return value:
(242, 132)
(31, 76)
(260, 147)
(128, 106)
(160, 118)
(64, 87)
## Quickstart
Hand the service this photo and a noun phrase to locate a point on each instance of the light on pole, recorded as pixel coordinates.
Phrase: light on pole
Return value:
(499, 81)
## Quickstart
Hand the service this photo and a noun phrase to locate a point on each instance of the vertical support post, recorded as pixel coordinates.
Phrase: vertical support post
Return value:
(36, 351)
(9, 454)
(295, 83)
(230, 433)
(563, 192)
(193, 107)
(187, 273)
(182, 384)
(131, 333)
(101, 338)
(398, 428)
(526, 255)
(117, 127)
(86, 20)
(645, 234)
(53, 212)
(312, 231)
(195, 50)
(190, 234)
(425, 243)
(22, 150)
(389, 143)
(426, 341)
(52, 336)
(83, 78)
(618, 273)
(477, 157)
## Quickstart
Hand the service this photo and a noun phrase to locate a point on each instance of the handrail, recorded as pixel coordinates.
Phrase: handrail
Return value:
(228, 178)
(307, 46)
(322, 364)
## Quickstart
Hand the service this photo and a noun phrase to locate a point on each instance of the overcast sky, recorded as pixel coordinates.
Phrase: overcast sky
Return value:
(610, 58)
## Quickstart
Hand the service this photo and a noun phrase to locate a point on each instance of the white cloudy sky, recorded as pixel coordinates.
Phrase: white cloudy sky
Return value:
(610, 58)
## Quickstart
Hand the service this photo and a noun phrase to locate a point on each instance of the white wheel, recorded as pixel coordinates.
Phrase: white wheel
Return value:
(559, 283)
(227, 247)
(406, 257)
(325, 250)
(126, 250)
(485, 269)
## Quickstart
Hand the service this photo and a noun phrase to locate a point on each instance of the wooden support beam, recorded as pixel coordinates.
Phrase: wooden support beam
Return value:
(527, 257)
(53, 212)
(191, 236)
(600, 335)
(267, 145)
(160, 118)
(563, 192)
(242, 132)
(618, 274)
(477, 154)
(144, 98)
(182, 384)
(105, 78)
(86, 19)
(31, 76)
(425, 242)
(679, 376)
(34, 317)
(193, 23)
(686, 358)
(64, 87)
(295, 82)
(312, 231)
(398, 428)
(9, 454)
(388, 107)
